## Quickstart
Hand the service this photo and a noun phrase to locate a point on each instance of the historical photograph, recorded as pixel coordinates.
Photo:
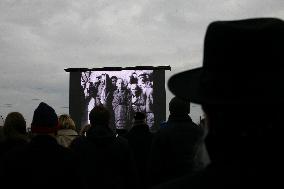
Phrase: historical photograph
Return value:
(122, 92)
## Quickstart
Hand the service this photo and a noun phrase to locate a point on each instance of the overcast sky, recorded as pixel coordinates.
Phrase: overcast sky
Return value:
(39, 38)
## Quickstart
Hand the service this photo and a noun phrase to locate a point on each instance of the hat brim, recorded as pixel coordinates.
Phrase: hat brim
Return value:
(186, 85)
(228, 87)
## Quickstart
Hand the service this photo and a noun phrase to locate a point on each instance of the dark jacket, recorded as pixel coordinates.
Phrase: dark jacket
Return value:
(42, 163)
(105, 159)
(140, 139)
(174, 149)
(9, 143)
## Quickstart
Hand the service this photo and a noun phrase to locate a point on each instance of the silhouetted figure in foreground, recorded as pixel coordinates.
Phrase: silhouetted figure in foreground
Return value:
(140, 139)
(240, 87)
(42, 163)
(175, 146)
(105, 160)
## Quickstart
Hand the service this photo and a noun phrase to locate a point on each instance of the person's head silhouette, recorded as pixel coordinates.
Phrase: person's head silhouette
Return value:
(45, 120)
(179, 107)
(240, 87)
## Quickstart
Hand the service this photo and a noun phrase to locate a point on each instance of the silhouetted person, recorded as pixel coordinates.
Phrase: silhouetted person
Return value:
(140, 139)
(240, 88)
(175, 146)
(14, 132)
(42, 163)
(104, 158)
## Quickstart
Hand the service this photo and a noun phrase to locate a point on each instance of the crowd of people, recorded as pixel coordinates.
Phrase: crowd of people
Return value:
(122, 96)
(96, 155)
(238, 144)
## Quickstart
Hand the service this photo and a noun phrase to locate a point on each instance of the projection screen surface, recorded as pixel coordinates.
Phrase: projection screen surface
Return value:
(122, 92)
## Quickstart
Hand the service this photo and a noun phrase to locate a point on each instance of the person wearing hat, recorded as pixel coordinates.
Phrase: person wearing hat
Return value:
(42, 163)
(240, 88)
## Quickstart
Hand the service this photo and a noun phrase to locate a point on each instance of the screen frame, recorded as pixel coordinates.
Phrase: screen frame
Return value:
(76, 94)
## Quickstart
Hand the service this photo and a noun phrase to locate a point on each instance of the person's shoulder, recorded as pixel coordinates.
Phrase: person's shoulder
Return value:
(198, 129)
(166, 127)
(11, 149)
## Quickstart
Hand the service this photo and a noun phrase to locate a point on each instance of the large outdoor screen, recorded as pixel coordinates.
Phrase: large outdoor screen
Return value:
(122, 92)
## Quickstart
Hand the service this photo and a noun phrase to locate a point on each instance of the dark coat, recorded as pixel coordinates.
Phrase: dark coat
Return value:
(105, 159)
(140, 140)
(208, 178)
(9, 143)
(42, 163)
(174, 149)
(250, 160)
(226, 176)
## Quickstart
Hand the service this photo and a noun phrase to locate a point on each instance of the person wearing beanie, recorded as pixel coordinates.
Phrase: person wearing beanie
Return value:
(175, 146)
(41, 163)
(45, 120)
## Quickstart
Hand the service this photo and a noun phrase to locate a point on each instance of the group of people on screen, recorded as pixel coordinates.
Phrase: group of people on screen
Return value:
(122, 95)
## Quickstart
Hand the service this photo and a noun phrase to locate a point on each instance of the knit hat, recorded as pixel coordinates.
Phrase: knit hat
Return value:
(44, 120)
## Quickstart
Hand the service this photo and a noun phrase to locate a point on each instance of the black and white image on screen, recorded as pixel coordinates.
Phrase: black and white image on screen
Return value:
(122, 92)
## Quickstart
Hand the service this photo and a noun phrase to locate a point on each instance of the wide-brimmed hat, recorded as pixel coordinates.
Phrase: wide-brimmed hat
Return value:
(243, 63)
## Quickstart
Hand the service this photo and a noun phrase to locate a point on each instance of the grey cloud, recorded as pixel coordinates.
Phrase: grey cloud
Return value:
(31, 13)
(38, 39)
